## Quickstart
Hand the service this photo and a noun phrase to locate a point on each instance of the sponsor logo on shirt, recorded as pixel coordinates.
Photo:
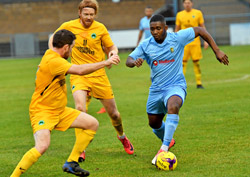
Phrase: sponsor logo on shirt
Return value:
(166, 61)
(85, 50)
(155, 63)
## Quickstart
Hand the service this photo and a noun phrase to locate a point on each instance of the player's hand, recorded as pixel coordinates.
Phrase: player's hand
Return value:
(138, 62)
(114, 59)
(222, 57)
(206, 45)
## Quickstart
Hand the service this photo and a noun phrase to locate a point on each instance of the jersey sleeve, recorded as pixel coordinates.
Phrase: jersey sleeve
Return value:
(59, 66)
(141, 25)
(106, 39)
(138, 53)
(177, 21)
(185, 36)
(63, 26)
(201, 19)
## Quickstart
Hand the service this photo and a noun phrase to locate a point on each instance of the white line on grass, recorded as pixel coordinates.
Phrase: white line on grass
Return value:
(227, 80)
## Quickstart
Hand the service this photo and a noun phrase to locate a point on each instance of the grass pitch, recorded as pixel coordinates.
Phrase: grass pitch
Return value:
(212, 138)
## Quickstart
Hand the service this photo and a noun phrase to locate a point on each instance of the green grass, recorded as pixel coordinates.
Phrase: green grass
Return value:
(212, 138)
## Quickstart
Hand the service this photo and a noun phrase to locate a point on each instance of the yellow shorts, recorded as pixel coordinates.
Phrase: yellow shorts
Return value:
(99, 86)
(53, 120)
(193, 51)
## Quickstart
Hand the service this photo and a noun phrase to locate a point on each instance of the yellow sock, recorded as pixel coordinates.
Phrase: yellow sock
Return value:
(83, 138)
(197, 72)
(28, 159)
(184, 65)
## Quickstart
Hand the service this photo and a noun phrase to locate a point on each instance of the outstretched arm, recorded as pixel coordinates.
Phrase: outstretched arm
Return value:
(91, 67)
(221, 56)
(132, 63)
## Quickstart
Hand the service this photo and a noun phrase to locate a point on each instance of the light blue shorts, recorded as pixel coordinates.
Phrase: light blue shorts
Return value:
(158, 99)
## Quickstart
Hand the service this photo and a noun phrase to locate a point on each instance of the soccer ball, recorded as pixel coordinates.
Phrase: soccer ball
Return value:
(166, 161)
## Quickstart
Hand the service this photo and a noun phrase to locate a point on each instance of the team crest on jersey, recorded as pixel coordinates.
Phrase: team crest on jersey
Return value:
(155, 62)
(193, 16)
(73, 87)
(172, 50)
(41, 122)
(93, 35)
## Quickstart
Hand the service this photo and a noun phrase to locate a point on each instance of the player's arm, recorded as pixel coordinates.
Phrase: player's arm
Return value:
(221, 56)
(91, 67)
(205, 43)
(132, 63)
(110, 51)
(139, 37)
(50, 43)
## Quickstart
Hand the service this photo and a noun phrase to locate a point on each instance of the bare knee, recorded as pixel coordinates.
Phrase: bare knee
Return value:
(94, 125)
(173, 108)
(42, 147)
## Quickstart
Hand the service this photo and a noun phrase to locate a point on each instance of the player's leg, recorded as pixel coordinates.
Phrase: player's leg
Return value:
(157, 124)
(42, 142)
(186, 56)
(82, 100)
(87, 126)
(197, 72)
(196, 56)
(111, 108)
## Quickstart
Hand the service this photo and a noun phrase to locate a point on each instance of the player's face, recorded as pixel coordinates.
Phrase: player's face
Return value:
(158, 31)
(87, 16)
(187, 4)
(149, 12)
(68, 50)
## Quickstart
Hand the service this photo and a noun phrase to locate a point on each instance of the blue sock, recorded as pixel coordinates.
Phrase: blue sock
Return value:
(160, 131)
(171, 123)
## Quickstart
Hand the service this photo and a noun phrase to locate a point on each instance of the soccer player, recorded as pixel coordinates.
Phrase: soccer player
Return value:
(48, 109)
(190, 17)
(91, 38)
(144, 24)
(163, 52)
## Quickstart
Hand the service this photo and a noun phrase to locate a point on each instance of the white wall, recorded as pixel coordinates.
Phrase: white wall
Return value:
(240, 33)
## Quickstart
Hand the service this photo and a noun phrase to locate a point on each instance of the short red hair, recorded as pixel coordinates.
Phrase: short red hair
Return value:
(89, 3)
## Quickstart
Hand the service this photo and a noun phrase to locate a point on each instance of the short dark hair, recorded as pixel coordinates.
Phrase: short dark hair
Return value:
(185, 0)
(158, 18)
(63, 37)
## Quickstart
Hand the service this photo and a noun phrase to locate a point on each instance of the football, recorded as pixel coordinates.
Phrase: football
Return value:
(166, 161)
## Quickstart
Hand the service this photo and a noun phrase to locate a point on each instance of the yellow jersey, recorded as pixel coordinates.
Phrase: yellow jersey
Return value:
(89, 43)
(51, 91)
(194, 18)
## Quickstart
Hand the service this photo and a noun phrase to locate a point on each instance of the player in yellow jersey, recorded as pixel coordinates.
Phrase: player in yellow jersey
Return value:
(91, 38)
(190, 17)
(48, 109)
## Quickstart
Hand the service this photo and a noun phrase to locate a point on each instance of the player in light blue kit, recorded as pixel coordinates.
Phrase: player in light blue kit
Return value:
(144, 24)
(164, 52)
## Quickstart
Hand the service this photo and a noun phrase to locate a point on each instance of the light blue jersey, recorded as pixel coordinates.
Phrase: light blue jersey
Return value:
(144, 26)
(165, 59)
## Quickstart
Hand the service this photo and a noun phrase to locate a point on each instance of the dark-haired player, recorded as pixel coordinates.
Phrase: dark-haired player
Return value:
(48, 109)
(163, 52)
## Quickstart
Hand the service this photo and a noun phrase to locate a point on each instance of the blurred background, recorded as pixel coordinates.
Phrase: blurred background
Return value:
(25, 25)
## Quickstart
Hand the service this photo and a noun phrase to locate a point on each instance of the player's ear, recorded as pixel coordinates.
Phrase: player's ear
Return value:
(79, 13)
(66, 47)
(166, 27)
